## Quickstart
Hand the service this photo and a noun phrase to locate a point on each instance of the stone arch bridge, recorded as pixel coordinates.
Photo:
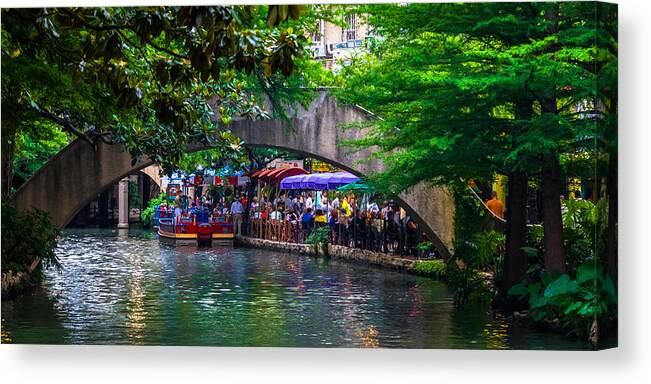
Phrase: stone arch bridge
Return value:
(78, 173)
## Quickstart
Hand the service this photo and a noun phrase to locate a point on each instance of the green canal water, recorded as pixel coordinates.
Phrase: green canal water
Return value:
(119, 288)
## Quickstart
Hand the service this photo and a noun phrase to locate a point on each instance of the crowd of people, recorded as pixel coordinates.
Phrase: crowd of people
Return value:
(292, 216)
(362, 224)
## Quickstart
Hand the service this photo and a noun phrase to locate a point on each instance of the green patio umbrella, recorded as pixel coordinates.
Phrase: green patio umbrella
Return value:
(356, 186)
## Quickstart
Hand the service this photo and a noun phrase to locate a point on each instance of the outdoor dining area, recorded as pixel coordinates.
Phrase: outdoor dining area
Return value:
(339, 205)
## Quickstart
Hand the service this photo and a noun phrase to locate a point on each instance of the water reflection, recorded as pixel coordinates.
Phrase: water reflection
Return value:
(126, 288)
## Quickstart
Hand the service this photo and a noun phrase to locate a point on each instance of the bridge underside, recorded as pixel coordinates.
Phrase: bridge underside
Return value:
(76, 175)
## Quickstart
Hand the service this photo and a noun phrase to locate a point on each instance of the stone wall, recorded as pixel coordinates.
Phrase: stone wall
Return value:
(335, 252)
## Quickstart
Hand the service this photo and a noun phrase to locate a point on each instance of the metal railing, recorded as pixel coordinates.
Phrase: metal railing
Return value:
(378, 235)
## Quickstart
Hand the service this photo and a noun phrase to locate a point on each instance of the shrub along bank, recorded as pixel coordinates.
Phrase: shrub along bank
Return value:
(28, 243)
(583, 300)
(580, 302)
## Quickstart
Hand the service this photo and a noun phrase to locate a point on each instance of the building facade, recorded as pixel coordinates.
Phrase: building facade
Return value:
(335, 45)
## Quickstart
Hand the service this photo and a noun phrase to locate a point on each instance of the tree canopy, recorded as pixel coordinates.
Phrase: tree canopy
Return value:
(153, 78)
(447, 79)
(471, 90)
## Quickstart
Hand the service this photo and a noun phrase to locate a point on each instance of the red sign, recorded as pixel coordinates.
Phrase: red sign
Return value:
(173, 190)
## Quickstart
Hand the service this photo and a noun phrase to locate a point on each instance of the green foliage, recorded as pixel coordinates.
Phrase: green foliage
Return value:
(584, 231)
(432, 268)
(134, 197)
(464, 89)
(319, 239)
(478, 250)
(147, 214)
(587, 293)
(584, 236)
(477, 264)
(470, 216)
(476, 267)
(425, 246)
(490, 251)
(156, 79)
(35, 145)
(213, 158)
(27, 236)
(469, 285)
(577, 302)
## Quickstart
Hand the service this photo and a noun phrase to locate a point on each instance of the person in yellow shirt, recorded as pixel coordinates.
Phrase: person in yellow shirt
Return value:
(320, 217)
(346, 207)
(496, 206)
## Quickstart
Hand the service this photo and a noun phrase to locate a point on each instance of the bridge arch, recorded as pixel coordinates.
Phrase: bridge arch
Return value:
(78, 173)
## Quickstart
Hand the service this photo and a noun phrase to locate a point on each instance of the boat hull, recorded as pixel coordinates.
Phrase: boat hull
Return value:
(196, 234)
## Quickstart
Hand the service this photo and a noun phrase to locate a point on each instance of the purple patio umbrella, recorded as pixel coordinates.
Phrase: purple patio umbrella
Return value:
(308, 182)
(320, 182)
(339, 179)
(292, 182)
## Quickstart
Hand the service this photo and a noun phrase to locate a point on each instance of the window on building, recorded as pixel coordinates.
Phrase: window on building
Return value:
(349, 32)
(317, 37)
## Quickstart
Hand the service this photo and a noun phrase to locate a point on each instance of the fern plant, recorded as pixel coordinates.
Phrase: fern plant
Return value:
(147, 214)
(319, 239)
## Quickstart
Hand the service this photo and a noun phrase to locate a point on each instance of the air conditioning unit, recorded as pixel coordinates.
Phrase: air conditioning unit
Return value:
(318, 50)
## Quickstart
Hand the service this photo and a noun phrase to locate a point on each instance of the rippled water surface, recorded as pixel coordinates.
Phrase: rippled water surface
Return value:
(119, 288)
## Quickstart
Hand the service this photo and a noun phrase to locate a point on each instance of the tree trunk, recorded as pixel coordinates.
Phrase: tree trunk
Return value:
(7, 165)
(551, 174)
(611, 237)
(552, 218)
(515, 262)
(8, 148)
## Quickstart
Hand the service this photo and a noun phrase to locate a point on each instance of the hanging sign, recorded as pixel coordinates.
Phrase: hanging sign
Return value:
(173, 190)
(286, 164)
(242, 180)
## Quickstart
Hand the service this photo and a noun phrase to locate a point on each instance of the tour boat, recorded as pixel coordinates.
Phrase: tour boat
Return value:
(188, 231)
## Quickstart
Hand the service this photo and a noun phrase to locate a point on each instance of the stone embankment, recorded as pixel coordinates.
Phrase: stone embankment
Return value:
(336, 252)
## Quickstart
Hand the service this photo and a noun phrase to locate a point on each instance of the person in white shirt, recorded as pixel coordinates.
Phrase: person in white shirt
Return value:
(308, 202)
(237, 209)
(254, 207)
(289, 203)
(324, 203)
(276, 215)
(335, 203)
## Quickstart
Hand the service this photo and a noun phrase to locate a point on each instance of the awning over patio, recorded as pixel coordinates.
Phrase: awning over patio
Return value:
(274, 175)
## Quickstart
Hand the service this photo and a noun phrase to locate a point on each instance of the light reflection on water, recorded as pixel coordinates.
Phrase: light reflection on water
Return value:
(129, 289)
